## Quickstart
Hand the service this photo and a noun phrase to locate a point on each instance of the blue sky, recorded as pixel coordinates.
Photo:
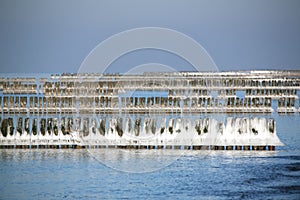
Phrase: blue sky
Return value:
(56, 36)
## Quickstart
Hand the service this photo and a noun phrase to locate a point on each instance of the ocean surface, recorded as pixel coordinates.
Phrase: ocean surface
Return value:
(149, 174)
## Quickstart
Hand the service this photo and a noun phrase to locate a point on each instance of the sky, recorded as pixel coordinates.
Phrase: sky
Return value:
(56, 36)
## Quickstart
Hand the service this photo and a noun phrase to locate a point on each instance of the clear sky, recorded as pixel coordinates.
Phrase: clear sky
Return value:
(55, 36)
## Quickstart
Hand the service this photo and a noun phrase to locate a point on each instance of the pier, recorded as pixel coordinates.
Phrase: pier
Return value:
(176, 110)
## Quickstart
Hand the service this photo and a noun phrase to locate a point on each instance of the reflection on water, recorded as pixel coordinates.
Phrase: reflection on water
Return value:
(136, 161)
(75, 174)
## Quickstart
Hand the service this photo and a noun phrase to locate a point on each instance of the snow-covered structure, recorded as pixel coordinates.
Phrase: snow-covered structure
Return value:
(210, 110)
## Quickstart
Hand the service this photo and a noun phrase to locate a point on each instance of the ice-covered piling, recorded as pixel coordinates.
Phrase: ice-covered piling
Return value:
(232, 134)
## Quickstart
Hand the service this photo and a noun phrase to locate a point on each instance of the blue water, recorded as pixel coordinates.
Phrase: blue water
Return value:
(76, 174)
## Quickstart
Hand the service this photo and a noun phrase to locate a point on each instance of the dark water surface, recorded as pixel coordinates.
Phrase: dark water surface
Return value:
(76, 174)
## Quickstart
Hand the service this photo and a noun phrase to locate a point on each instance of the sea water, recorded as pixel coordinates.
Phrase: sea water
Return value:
(189, 174)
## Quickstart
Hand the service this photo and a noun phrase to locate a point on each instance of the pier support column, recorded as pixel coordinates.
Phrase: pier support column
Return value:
(271, 148)
(229, 147)
(238, 148)
(246, 148)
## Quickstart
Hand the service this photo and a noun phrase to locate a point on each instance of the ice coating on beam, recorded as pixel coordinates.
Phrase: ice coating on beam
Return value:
(144, 131)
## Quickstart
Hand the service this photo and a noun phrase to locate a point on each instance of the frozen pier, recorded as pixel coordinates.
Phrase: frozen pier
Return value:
(141, 132)
(153, 110)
